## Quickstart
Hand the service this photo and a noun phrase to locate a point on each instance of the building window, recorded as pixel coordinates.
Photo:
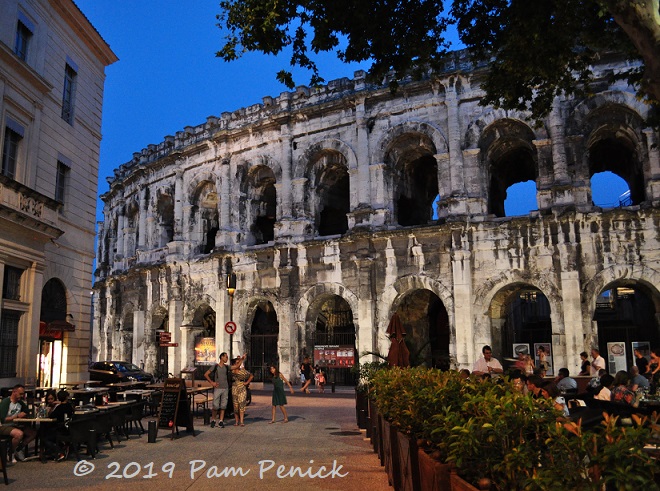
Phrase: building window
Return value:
(68, 96)
(23, 36)
(11, 289)
(10, 152)
(60, 181)
(8, 342)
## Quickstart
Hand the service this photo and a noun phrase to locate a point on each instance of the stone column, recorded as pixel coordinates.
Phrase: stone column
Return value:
(652, 176)
(444, 184)
(557, 134)
(142, 227)
(284, 192)
(178, 203)
(363, 181)
(138, 354)
(366, 330)
(381, 200)
(121, 224)
(457, 185)
(571, 297)
(466, 344)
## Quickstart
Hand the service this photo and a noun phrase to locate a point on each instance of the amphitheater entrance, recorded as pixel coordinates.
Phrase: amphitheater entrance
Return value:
(626, 315)
(426, 322)
(263, 335)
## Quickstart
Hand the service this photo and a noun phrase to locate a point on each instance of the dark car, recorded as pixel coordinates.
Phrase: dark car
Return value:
(110, 372)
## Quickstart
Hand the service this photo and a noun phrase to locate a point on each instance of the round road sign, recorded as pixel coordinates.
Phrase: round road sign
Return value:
(230, 327)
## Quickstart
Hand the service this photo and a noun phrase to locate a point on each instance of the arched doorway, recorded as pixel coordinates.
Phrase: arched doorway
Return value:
(53, 324)
(520, 322)
(263, 340)
(334, 338)
(625, 314)
(426, 322)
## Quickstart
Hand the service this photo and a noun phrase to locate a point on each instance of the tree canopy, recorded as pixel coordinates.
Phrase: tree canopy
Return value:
(536, 49)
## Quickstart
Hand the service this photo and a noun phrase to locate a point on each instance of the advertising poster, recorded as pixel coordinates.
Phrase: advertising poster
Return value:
(616, 357)
(520, 349)
(543, 357)
(205, 351)
(334, 356)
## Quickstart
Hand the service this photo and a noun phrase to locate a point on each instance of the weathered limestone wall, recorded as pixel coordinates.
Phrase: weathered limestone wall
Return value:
(350, 191)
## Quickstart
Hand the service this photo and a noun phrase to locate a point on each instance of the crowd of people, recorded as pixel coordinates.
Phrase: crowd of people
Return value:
(623, 387)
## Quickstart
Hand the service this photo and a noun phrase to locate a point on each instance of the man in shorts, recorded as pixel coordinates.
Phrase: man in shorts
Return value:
(218, 376)
(11, 408)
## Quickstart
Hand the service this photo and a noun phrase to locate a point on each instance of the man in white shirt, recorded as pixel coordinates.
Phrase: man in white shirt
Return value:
(598, 362)
(487, 364)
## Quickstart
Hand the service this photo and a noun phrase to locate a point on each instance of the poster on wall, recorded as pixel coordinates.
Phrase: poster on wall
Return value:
(334, 356)
(543, 357)
(205, 351)
(616, 357)
(520, 349)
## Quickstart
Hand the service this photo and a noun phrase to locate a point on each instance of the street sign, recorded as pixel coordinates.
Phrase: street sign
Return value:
(230, 327)
(169, 345)
(165, 337)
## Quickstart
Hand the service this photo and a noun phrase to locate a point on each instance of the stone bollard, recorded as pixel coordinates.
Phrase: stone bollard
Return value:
(153, 432)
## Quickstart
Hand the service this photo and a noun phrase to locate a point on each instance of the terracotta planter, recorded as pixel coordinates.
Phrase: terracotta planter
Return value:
(408, 463)
(390, 455)
(433, 474)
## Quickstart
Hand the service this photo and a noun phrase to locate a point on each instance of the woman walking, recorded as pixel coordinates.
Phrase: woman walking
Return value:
(279, 397)
(241, 378)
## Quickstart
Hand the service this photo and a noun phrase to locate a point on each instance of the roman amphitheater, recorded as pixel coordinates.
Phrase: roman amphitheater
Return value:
(336, 207)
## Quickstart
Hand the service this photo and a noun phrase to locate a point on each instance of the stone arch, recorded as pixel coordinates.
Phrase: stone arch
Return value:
(475, 128)
(259, 203)
(612, 126)
(262, 347)
(158, 318)
(164, 214)
(440, 142)
(123, 347)
(203, 217)
(328, 166)
(308, 297)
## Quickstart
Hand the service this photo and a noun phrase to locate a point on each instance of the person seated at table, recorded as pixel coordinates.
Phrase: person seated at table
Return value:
(621, 393)
(595, 383)
(519, 381)
(51, 401)
(15, 407)
(602, 392)
(637, 380)
(564, 382)
(62, 412)
(550, 391)
(534, 385)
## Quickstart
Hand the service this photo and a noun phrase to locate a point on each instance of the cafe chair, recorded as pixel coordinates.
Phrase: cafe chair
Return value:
(134, 417)
(81, 431)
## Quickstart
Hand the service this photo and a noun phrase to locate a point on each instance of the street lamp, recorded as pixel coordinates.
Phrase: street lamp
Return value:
(231, 289)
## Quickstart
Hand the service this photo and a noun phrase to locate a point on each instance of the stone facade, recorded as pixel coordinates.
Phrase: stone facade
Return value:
(348, 200)
(52, 64)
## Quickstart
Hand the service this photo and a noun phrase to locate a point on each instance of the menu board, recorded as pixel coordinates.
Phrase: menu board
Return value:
(174, 410)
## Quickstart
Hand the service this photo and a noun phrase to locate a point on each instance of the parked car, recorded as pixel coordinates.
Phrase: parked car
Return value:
(110, 372)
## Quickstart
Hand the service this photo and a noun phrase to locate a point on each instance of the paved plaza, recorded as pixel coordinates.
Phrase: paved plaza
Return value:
(320, 448)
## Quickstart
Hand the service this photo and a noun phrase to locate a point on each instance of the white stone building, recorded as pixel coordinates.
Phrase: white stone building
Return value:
(338, 206)
(52, 71)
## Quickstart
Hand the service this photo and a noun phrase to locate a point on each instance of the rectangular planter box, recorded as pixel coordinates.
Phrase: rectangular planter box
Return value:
(361, 408)
(390, 455)
(460, 484)
(408, 463)
(373, 420)
(433, 474)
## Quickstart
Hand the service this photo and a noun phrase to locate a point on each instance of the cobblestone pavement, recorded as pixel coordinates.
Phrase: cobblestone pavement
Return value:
(320, 448)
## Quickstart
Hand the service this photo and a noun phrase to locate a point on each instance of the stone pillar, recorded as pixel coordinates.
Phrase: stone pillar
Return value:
(475, 182)
(138, 354)
(466, 343)
(381, 199)
(142, 227)
(544, 181)
(363, 181)
(457, 185)
(652, 176)
(366, 329)
(571, 297)
(121, 224)
(444, 184)
(284, 192)
(178, 204)
(556, 131)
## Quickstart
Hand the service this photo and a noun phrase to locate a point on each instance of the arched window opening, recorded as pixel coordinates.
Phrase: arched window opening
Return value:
(511, 167)
(609, 190)
(53, 301)
(263, 204)
(204, 216)
(334, 198)
(520, 199)
(132, 229)
(618, 155)
(417, 192)
(165, 210)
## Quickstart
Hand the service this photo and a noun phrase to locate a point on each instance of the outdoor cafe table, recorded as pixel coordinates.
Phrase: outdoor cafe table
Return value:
(191, 392)
(90, 393)
(42, 441)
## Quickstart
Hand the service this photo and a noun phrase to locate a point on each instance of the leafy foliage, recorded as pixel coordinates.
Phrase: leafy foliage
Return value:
(538, 50)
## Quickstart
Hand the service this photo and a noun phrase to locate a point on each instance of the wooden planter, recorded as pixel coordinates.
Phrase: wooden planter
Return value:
(408, 463)
(433, 474)
(373, 421)
(380, 450)
(460, 484)
(390, 455)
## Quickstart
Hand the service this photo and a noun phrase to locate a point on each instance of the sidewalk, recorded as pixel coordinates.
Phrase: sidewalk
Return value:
(320, 448)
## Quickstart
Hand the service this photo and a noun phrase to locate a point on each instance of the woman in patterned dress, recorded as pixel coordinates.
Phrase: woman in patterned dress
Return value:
(241, 378)
(279, 397)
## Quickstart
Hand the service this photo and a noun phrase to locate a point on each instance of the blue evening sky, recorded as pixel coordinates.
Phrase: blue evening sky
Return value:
(168, 77)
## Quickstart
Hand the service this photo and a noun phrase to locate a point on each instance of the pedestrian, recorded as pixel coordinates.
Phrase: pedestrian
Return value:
(220, 379)
(306, 370)
(597, 364)
(642, 363)
(279, 397)
(585, 365)
(241, 378)
(320, 380)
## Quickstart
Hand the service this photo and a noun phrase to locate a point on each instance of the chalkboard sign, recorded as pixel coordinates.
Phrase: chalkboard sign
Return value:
(174, 410)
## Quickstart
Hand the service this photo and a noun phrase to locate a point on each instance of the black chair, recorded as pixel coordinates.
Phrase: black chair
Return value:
(104, 428)
(134, 417)
(81, 430)
(154, 402)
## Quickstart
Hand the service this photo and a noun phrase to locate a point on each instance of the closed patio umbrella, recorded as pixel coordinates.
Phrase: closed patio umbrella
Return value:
(398, 355)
